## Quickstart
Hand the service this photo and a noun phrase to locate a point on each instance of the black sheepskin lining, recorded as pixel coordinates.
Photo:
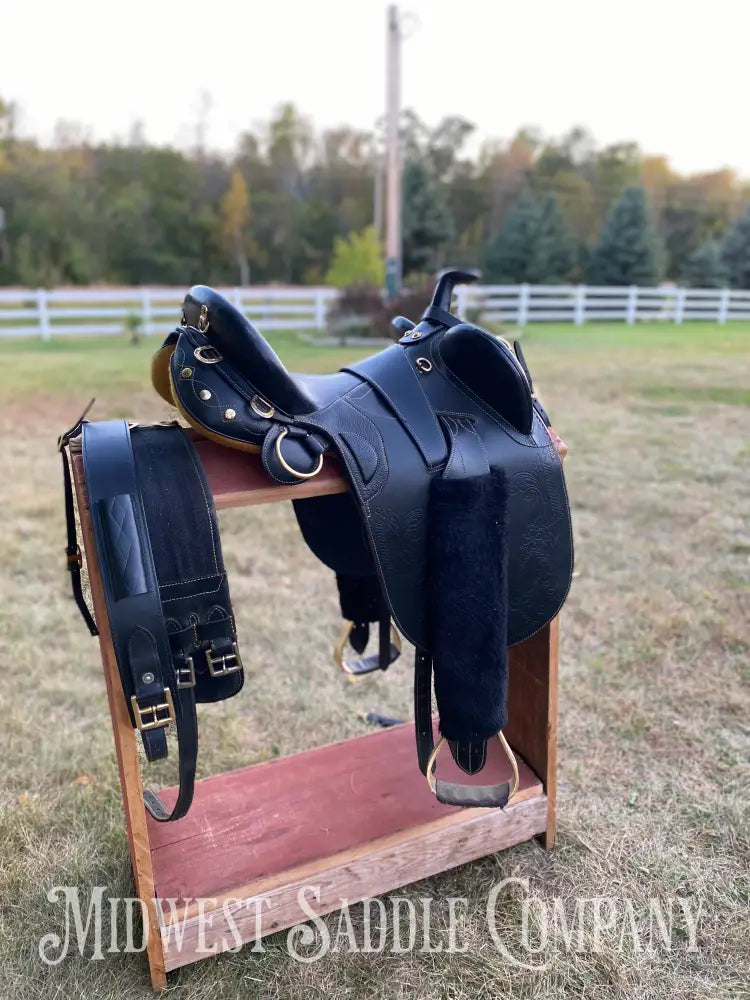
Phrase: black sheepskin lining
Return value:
(468, 603)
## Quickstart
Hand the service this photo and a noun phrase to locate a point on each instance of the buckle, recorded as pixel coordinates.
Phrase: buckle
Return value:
(185, 675)
(74, 559)
(227, 663)
(152, 716)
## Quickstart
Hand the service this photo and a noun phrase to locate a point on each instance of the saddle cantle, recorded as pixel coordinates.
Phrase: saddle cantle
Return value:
(456, 526)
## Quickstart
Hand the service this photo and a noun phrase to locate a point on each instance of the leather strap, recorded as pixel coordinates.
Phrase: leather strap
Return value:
(164, 585)
(74, 559)
(392, 374)
(73, 549)
(387, 652)
(129, 581)
(442, 316)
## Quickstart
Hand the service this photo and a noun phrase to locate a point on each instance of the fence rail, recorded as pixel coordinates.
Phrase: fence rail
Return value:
(48, 313)
(81, 311)
(522, 304)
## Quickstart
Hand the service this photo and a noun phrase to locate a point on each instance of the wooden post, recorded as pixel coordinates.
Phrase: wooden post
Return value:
(125, 745)
(330, 835)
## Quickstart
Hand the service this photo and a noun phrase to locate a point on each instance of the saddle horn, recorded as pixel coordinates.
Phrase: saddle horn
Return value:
(439, 309)
(447, 281)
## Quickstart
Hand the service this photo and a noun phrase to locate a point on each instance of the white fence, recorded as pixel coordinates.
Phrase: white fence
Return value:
(34, 313)
(30, 312)
(522, 304)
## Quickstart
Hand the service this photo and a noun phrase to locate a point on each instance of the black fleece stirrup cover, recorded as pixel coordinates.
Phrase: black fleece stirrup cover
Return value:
(468, 595)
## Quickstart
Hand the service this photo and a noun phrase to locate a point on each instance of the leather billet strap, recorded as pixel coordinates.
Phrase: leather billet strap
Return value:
(74, 558)
(164, 586)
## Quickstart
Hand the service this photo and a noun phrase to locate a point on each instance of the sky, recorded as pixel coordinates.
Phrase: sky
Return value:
(669, 74)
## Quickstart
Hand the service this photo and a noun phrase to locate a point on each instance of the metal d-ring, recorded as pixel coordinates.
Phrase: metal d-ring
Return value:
(431, 763)
(424, 365)
(199, 355)
(285, 465)
(261, 407)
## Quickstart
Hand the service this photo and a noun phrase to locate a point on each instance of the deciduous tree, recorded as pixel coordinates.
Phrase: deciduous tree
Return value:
(234, 210)
(357, 260)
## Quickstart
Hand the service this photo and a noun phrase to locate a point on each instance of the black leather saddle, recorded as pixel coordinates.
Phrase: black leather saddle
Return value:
(456, 528)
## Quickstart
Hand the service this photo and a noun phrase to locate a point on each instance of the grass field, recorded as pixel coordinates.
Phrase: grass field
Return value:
(654, 701)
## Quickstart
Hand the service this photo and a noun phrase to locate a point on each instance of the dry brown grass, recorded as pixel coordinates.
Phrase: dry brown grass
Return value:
(653, 701)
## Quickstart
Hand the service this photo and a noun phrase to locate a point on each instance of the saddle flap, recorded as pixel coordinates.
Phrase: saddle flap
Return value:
(490, 370)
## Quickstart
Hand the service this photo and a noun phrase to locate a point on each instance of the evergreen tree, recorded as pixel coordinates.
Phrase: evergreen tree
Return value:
(736, 252)
(704, 267)
(629, 251)
(509, 257)
(427, 226)
(554, 258)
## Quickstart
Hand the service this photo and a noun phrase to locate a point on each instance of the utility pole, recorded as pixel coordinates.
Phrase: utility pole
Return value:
(392, 154)
(377, 195)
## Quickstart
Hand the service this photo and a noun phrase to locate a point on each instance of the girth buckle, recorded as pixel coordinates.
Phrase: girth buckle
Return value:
(226, 663)
(185, 674)
(153, 716)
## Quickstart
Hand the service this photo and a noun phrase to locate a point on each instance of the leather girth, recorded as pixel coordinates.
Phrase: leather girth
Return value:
(164, 584)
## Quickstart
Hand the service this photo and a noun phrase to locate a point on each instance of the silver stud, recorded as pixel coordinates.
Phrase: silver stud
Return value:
(148, 677)
(416, 334)
(186, 372)
(204, 394)
(230, 414)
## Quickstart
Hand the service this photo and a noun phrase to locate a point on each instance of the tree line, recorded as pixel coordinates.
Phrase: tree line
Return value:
(294, 205)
